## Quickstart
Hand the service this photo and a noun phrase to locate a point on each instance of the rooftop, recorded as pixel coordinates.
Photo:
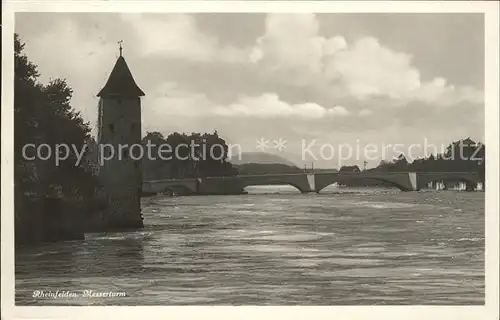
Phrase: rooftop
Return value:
(121, 82)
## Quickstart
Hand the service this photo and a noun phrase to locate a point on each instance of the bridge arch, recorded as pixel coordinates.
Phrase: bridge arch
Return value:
(390, 182)
(296, 186)
(298, 181)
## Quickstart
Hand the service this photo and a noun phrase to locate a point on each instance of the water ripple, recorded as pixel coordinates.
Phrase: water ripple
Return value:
(340, 248)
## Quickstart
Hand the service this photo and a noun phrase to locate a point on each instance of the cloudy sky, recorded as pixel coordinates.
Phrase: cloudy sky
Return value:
(310, 79)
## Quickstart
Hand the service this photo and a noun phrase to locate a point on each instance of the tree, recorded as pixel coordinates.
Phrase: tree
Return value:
(153, 166)
(463, 155)
(191, 156)
(350, 169)
(43, 115)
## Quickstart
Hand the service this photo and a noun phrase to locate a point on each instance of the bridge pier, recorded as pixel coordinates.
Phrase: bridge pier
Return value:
(413, 181)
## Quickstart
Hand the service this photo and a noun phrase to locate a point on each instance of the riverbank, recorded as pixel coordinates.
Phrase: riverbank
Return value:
(45, 220)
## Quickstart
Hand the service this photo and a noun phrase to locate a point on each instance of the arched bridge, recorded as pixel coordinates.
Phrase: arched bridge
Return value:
(405, 181)
(309, 182)
(300, 181)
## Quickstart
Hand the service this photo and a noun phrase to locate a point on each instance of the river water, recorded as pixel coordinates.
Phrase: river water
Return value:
(274, 246)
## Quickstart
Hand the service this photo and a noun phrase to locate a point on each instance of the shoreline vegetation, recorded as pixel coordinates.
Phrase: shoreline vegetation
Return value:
(63, 202)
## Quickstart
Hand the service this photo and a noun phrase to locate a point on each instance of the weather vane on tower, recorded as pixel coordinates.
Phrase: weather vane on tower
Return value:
(120, 43)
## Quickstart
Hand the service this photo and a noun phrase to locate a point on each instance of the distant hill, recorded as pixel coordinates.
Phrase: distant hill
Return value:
(260, 158)
(266, 168)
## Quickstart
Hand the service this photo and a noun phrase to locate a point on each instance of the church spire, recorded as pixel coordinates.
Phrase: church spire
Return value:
(120, 44)
(121, 82)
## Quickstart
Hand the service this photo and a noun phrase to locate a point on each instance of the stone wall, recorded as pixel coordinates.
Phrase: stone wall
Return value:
(121, 174)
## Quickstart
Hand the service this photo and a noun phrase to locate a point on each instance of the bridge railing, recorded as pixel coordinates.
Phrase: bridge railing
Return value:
(360, 173)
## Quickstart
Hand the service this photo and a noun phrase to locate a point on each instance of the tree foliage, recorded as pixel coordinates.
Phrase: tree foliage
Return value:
(349, 169)
(463, 155)
(43, 115)
(186, 156)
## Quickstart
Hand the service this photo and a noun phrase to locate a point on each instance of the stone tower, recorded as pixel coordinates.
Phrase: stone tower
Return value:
(119, 128)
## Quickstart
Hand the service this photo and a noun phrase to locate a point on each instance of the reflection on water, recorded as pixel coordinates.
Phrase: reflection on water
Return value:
(344, 246)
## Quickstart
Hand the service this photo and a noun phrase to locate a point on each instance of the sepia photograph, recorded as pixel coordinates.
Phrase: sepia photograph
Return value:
(251, 159)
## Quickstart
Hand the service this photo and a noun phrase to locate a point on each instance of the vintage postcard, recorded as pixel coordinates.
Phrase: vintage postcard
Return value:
(323, 159)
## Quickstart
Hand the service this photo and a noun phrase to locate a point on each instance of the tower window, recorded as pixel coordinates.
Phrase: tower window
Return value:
(111, 127)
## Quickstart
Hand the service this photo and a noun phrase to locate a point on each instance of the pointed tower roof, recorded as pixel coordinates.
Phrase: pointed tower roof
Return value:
(121, 82)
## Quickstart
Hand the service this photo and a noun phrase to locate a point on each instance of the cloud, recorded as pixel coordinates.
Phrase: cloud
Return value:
(171, 100)
(369, 69)
(365, 112)
(74, 54)
(269, 105)
(339, 110)
(63, 52)
(290, 80)
(439, 92)
(177, 36)
(292, 51)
